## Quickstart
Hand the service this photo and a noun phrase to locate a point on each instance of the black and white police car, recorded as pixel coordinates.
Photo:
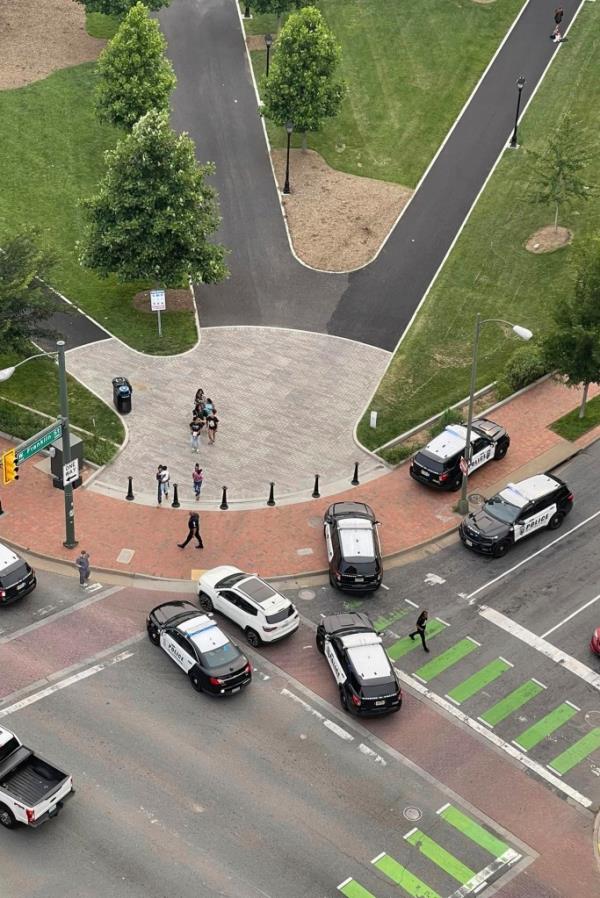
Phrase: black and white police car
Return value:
(17, 578)
(353, 549)
(359, 663)
(515, 512)
(193, 641)
(438, 464)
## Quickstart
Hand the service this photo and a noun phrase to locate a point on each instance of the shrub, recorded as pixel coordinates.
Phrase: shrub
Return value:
(525, 365)
(450, 416)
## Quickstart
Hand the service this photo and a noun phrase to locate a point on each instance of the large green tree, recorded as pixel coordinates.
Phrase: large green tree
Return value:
(303, 86)
(154, 214)
(25, 302)
(573, 347)
(135, 75)
(119, 7)
(557, 172)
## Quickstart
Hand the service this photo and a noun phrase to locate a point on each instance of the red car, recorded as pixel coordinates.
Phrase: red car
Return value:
(595, 643)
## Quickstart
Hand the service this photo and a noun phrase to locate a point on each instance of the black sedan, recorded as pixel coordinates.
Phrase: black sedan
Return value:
(195, 643)
(353, 549)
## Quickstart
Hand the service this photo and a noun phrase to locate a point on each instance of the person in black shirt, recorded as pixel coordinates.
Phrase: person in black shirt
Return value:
(421, 626)
(193, 530)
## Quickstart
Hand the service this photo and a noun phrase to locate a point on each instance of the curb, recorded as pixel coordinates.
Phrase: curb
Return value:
(596, 839)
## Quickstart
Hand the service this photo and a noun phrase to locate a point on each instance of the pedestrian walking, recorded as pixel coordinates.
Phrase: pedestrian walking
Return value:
(208, 408)
(199, 397)
(159, 484)
(556, 35)
(165, 480)
(421, 626)
(82, 562)
(195, 430)
(212, 422)
(197, 480)
(193, 530)
(558, 15)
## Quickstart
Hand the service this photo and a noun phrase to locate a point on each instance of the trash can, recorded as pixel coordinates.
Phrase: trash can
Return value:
(122, 391)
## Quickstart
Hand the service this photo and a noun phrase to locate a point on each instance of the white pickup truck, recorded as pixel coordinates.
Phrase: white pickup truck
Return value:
(31, 789)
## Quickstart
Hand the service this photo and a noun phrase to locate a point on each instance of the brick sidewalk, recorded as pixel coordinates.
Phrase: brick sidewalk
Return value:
(278, 541)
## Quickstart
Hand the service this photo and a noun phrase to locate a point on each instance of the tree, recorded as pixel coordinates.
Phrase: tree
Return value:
(134, 74)
(302, 86)
(25, 302)
(154, 213)
(119, 7)
(573, 348)
(557, 172)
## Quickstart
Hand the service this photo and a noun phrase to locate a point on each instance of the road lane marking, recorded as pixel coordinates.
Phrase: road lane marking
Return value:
(512, 702)
(570, 616)
(473, 830)
(478, 681)
(77, 606)
(372, 754)
(577, 753)
(541, 645)
(406, 644)
(352, 889)
(544, 727)
(438, 855)
(333, 727)
(338, 730)
(402, 876)
(447, 659)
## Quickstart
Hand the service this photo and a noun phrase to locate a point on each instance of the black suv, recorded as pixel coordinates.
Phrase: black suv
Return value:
(438, 464)
(515, 512)
(359, 663)
(17, 578)
(353, 549)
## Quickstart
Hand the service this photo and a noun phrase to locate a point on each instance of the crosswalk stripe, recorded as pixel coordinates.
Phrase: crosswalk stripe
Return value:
(382, 623)
(576, 753)
(544, 727)
(447, 659)
(353, 889)
(436, 853)
(511, 702)
(405, 645)
(473, 831)
(479, 680)
(404, 878)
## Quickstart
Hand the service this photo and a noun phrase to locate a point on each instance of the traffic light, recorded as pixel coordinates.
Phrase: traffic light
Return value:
(10, 468)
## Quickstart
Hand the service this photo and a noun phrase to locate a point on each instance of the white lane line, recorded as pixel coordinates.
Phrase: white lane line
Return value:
(383, 586)
(344, 883)
(304, 704)
(375, 859)
(545, 648)
(570, 616)
(62, 684)
(504, 661)
(338, 730)
(372, 754)
(471, 595)
(470, 638)
(408, 602)
(445, 623)
(410, 832)
(443, 808)
(567, 702)
(77, 606)
(533, 679)
(492, 737)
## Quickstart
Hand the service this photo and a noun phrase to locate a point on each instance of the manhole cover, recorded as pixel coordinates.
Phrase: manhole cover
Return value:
(315, 522)
(593, 718)
(307, 594)
(412, 813)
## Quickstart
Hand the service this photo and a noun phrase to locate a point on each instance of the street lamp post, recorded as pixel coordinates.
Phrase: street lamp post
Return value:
(289, 127)
(520, 86)
(70, 541)
(268, 44)
(522, 332)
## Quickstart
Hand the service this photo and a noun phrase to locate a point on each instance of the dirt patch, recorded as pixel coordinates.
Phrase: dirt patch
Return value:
(37, 37)
(337, 221)
(548, 239)
(176, 301)
(256, 42)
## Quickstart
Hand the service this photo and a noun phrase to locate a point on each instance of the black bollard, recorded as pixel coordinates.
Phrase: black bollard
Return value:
(247, 11)
(271, 499)
(224, 506)
(355, 481)
(130, 497)
(1, 509)
(315, 493)
(175, 502)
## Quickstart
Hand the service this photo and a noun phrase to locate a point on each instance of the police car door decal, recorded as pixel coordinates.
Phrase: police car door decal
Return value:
(535, 522)
(328, 541)
(175, 651)
(334, 663)
(481, 457)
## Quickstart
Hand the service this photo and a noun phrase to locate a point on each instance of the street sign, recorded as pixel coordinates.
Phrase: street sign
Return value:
(157, 300)
(40, 441)
(463, 464)
(71, 471)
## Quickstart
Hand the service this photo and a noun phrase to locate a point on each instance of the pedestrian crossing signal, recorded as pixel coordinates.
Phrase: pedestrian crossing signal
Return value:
(10, 468)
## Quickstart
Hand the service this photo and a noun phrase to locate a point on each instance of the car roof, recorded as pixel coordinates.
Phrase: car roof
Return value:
(370, 661)
(357, 542)
(450, 441)
(203, 632)
(7, 557)
(357, 620)
(525, 491)
(262, 594)
(488, 428)
(174, 608)
(353, 509)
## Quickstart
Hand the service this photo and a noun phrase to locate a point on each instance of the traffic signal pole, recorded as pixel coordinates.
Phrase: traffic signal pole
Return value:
(70, 542)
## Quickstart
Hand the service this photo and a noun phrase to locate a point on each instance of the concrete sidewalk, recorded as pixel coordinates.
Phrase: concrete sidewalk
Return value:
(282, 541)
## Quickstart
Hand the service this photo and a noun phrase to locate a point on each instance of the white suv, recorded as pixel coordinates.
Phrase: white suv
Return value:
(263, 614)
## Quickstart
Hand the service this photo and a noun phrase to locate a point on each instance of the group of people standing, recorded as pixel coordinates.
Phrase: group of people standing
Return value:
(203, 415)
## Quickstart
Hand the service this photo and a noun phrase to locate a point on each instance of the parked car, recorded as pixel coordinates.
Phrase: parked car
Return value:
(438, 464)
(353, 549)
(595, 643)
(17, 578)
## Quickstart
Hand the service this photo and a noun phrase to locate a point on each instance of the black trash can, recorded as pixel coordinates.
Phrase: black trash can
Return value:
(122, 391)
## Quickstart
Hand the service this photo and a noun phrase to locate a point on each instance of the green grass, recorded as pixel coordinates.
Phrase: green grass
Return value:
(99, 25)
(263, 24)
(489, 270)
(409, 69)
(571, 426)
(52, 156)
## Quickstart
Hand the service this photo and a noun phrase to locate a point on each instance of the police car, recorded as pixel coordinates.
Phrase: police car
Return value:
(359, 663)
(353, 549)
(193, 641)
(438, 464)
(515, 512)
(17, 578)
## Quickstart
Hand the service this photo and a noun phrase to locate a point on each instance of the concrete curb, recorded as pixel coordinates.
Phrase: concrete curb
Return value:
(596, 839)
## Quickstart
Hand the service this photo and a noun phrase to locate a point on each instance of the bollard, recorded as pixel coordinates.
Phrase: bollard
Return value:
(224, 506)
(355, 481)
(1, 509)
(315, 493)
(271, 499)
(247, 11)
(130, 497)
(175, 502)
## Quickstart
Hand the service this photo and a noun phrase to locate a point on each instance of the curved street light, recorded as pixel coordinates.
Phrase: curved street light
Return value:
(289, 127)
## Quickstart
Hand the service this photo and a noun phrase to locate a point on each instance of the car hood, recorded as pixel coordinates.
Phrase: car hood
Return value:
(483, 523)
(211, 577)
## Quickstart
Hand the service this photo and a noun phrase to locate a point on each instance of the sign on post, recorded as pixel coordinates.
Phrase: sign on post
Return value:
(40, 441)
(71, 471)
(158, 304)
(463, 464)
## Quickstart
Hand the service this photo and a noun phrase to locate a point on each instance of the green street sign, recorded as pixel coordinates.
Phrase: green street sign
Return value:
(38, 442)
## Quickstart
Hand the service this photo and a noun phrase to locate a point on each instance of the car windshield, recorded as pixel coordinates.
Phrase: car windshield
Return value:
(13, 574)
(224, 654)
(230, 580)
(379, 688)
(429, 462)
(499, 508)
(8, 748)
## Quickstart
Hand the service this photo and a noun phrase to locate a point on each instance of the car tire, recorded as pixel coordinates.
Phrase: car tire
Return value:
(7, 818)
(153, 635)
(205, 602)
(556, 520)
(195, 681)
(252, 637)
(501, 548)
(320, 644)
(501, 450)
(343, 699)
(456, 483)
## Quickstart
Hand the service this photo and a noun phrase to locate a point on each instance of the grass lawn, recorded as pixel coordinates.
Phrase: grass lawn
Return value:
(571, 426)
(99, 25)
(489, 270)
(52, 156)
(409, 69)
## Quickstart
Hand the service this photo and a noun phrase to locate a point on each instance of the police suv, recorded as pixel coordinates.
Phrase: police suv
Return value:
(438, 464)
(515, 512)
(353, 549)
(193, 641)
(17, 578)
(359, 663)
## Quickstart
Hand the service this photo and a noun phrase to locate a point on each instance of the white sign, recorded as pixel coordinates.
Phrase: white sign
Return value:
(373, 419)
(157, 300)
(71, 471)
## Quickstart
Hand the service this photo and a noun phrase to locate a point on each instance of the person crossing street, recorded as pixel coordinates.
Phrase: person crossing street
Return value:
(193, 530)
(421, 627)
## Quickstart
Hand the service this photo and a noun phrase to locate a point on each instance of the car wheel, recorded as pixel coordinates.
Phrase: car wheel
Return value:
(501, 548)
(153, 635)
(456, 483)
(320, 644)
(195, 681)
(205, 602)
(253, 638)
(501, 450)
(556, 520)
(343, 699)
(7, 818)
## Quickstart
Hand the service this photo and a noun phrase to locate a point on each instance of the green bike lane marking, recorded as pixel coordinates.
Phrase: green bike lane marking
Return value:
(382, 623)
(479, 680)
(405, 645)
(434, 852)
(353, 889)
(511, 702)
(448, 658)
(545, 726)
(473, 830)
(576, 753)
(402, 877)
